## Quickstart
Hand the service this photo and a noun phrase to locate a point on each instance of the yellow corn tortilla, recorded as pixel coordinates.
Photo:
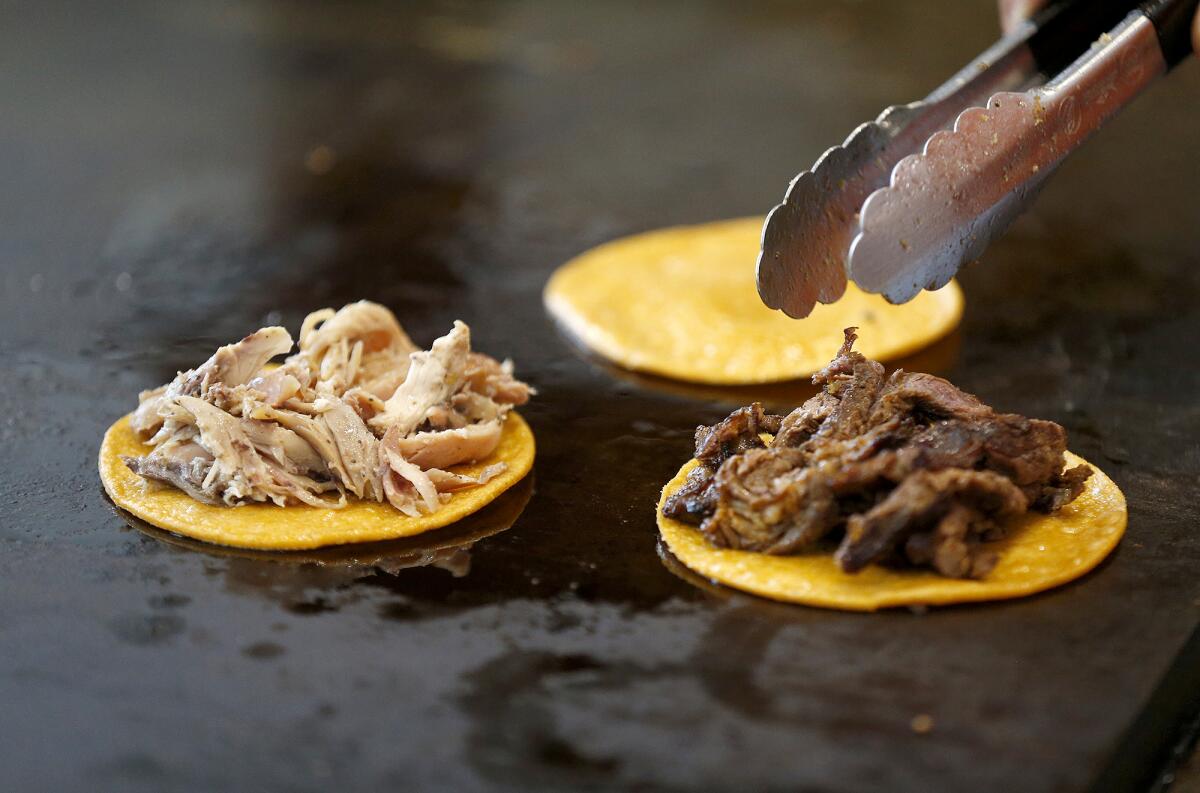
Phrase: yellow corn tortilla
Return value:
(1041, 552)
(497, 516)
(682, 303)
(271, 528)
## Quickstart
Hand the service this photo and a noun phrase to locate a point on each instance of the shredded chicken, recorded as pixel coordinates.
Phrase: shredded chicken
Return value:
(358, 410)
(444, 448)
(433, 377)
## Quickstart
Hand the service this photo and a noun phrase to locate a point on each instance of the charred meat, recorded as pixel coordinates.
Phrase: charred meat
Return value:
(906, 468)
(740, 431)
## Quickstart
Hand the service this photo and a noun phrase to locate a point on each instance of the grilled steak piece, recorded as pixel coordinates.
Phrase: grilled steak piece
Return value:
(803, 422)
(953, 547)
(767, 500)
(926, 395)
(1062, 489)
(696, 500)
(854, 381)
(738, 432)
(909, 466)
(949, 504)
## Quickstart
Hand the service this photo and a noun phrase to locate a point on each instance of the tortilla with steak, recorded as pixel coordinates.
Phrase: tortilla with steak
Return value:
(888, 490)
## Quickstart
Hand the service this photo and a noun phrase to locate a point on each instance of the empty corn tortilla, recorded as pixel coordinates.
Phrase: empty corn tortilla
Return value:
(300, 527)
(1042, 552)
(681, 303)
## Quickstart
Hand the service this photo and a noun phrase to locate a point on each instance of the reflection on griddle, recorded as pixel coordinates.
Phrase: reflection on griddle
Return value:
(448, 548)
(685, 573)
(745, 602)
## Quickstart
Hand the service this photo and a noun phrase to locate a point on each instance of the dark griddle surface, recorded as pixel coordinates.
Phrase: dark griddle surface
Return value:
(155, 202)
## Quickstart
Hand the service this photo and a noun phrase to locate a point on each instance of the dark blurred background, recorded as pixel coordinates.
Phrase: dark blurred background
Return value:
(308, 137)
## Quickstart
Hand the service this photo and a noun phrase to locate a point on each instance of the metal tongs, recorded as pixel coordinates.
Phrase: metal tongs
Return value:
(912, 196)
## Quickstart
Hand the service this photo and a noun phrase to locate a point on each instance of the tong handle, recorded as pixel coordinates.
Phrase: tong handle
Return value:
(1173, 21)
(1066, 28)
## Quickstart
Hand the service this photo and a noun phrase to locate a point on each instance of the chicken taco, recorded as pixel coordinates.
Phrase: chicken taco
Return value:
(358, 436)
